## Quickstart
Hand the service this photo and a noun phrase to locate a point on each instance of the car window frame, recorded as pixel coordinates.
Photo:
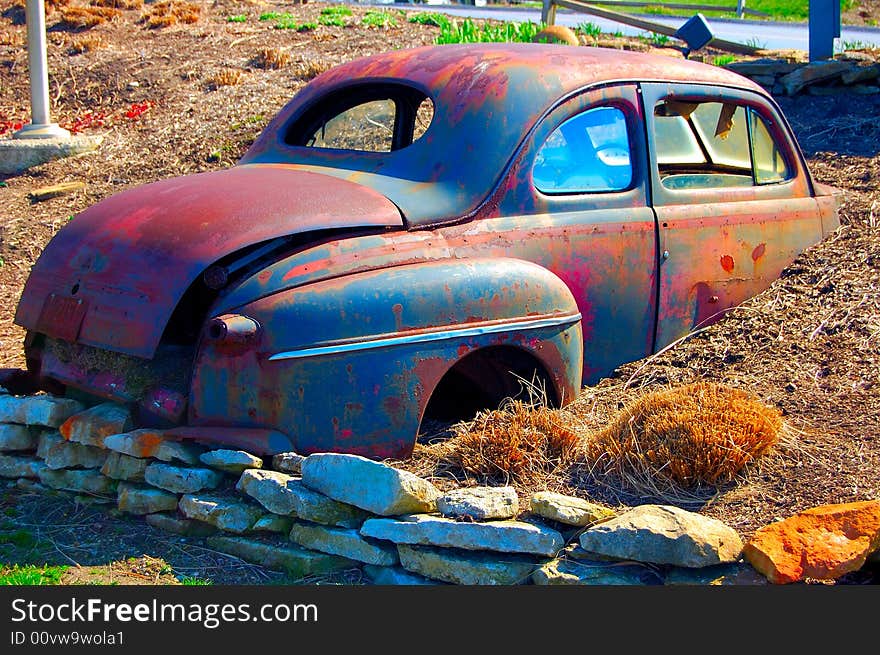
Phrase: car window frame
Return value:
(406, 100)
(583, 190)
(798, 185)
(519, 195)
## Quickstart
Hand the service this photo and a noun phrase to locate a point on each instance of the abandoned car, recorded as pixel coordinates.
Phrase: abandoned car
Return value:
(418, 231)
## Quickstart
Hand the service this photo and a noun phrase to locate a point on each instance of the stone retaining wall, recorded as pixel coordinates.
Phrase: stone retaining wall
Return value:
(854, 73)
(330, 512)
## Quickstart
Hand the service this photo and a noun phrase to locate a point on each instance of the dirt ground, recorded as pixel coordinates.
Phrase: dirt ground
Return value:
(191, 97)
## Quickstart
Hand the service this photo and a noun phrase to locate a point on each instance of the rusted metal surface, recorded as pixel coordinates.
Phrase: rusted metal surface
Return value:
(129, 259)
(363, 384)
(487, 98)
(320, 299)
(258, 441)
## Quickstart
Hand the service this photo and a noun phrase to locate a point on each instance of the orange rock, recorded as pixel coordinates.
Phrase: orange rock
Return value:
(823, 542)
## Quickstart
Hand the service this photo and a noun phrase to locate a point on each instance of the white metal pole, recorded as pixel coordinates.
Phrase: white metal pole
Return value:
(38, 69)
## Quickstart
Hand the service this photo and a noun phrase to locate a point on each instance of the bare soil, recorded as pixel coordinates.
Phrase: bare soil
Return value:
(191, 97)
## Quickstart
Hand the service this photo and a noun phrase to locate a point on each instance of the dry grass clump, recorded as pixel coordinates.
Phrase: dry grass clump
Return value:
(684, 437)
(225, 77)
(80, 17)
(273, 58)
(118, 4)
(170, 12)
(87, 44)
(12, 38)
(309, 69)
(517, 443)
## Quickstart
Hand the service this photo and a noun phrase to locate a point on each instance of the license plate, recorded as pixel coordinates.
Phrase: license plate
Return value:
(62, 317)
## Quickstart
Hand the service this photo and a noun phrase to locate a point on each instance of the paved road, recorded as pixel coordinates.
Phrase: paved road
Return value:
(765, 34)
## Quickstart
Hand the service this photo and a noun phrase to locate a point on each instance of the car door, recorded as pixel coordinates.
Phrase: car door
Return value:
(732, 196)
(575, 201)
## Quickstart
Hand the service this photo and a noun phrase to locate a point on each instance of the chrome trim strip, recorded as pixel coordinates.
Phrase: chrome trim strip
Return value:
(440, 335)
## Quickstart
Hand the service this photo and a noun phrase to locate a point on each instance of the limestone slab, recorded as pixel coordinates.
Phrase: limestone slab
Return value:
(288, 496)
(498, 536)
(344, 542)
(296, 561)
(664, 534)
(372, 486)
(466, 568)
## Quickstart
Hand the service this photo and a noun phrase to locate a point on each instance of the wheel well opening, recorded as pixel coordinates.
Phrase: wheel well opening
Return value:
(482, 380)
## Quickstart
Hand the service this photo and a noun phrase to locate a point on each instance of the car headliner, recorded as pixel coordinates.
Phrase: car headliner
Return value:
(487, 97)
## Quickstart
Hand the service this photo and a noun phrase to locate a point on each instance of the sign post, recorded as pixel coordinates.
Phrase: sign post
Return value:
(824, 28)
(40, 126)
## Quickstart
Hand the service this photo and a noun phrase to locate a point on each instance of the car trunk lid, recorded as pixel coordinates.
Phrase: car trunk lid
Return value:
(112, 277)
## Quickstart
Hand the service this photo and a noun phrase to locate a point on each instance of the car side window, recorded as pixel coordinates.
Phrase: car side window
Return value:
(378, 118)
(588, 153)
(715, 144)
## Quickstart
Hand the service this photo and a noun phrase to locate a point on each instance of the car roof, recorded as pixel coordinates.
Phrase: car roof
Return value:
(487, 97)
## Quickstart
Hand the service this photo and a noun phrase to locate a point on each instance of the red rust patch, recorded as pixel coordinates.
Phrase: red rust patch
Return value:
(759, 251)
(727, 263)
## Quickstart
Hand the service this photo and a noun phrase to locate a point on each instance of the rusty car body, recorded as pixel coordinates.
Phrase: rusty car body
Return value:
(416, 232)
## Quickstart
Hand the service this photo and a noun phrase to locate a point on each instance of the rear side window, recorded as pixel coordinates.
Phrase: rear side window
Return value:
(368, 118)
(588, 153)
(369, 127)
(715, 144)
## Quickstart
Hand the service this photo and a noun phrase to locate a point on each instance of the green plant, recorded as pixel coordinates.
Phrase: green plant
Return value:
(306, 27)
(270, 15)
(855, 45)
(31, 575)
(659, 39)
(194, 581)
(756, 43)
(331, 20)
(250, 120)
(469, 32)
(430, 18)
(336, 10)
(589, 29)
(654, 38)
(723, 60)
(238, 18)
(285, 22)
(380, 19)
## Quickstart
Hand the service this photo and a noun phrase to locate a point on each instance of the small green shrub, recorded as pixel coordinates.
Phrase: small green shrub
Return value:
(589, 29)
(193, 581)
(331, 20)
(469, 32)
(336, 10)
(430, 18)
(31, 575)
(380, 19)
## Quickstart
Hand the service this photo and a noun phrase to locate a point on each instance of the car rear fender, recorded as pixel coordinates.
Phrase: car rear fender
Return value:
(349, 364)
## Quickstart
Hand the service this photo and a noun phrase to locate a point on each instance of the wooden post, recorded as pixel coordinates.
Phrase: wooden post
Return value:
(548, 13)
(740, 8)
